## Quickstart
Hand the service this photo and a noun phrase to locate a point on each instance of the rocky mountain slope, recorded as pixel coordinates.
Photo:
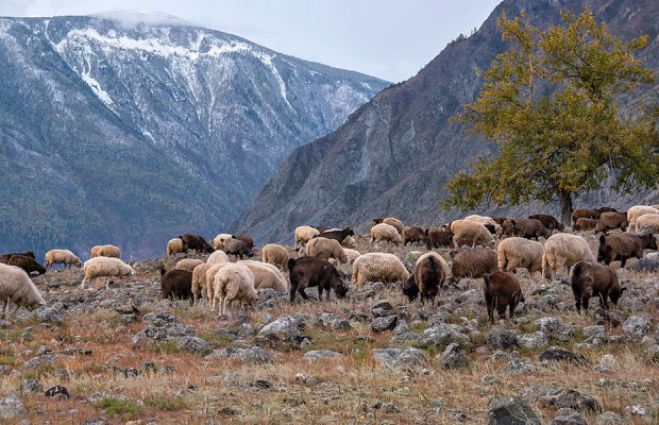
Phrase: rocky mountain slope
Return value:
(394, 155)
(129, 128)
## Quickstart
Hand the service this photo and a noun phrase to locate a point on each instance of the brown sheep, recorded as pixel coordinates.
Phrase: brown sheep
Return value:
(412, 234)
(195, 243)
(5, 257)
(28, 264)
(247, 239)
(611, 220)
(337, 235)
(176, 284)
(549, 221)
(583, 224)
(472, 263)
(436, 238)
(306, 272)
(392, 221)
(430, 273)
(528, 228)
(623, 246)
(605, 209)
(237, 247)
(584, 213)
(589, 280)
(502, 290)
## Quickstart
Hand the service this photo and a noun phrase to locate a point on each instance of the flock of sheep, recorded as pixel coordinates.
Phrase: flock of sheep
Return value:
(473, 239)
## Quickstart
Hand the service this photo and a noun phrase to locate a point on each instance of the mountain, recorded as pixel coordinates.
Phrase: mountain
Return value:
(395, 153)
(133, 127)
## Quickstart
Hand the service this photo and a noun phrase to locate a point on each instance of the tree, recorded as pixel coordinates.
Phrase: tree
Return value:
(551, 104)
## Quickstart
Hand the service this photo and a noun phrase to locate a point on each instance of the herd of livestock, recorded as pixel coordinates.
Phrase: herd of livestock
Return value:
(491, 248)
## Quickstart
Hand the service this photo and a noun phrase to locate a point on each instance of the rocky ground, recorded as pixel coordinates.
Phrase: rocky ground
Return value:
(120, 354)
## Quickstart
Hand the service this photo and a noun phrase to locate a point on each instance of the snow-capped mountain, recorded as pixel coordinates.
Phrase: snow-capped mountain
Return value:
(132, 127)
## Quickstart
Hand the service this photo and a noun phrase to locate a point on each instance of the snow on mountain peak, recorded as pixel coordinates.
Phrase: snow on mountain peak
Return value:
(134, 17)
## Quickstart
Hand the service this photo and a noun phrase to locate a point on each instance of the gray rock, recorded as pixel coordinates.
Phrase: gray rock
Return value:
(11, 407)
(452, 358)
(607, 364)
(382, 309)
(193, 345)
(253, 354)
(395, 358)
(385, 406)
(576, 400)
(322, 354)
(533, 341)
(638, 411)
(560, 354)
(284, 328)
(550, 326)
(31, 386)
(49, 315)
(646, 265)
(469, 297)
(503, 410)
(443, 334)
(609, 418)
(98, 421)
(39, 361)
(567, 416)
(501, 339)
(637, 326)
(385, 323)
(518, 366)
(597, 331)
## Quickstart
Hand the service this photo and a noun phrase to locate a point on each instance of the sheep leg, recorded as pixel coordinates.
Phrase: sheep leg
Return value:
(320, 293)
(501, 310)
(303, 294)
(4, 309)
(490, 307)
(584, 303)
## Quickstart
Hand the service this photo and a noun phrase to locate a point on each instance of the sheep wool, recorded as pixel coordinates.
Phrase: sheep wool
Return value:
(378, 267)
(218, 241)
(648, 223)
(188, 264)
(275, 254)
(637, 211)
(174, 246)
(563, 250)
(385, 232)
(518, 252)
(234, 282)
(198, 286)
(304, 234)
(17, 287)
(471, 231)
(105, 267)
(325, 249)
(62, 256)
(266, 275)
(217, 257)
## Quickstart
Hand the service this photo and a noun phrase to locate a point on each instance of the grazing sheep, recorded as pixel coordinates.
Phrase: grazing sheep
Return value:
(304, 234)
(502, 289)
(392, 221)
(472, 231)
(62, 256)
(378, 267)
(648, 223)
(174, 246)
(611, 220)
(594, 280)
(637, 211)
(28, 264)
(17, 287)
(325, 249)
(219, 240)
(210, 278)
(247, 239)
(306, 272)
(583, 224)
(528, 228)
(237, 248)
(549, 221)
(93, 252)
(410, 288)
(349, 242)
(338, 235)
(198, 284)
(385, 232)
(188, 264)
(412, 234)
(103, 267)
(234, 282)
(321, 229)
(109, 251)
(351, 254)
(622, 246)
(488, 222)
(176, 284)
(193, 242)
(437, 238)
(217, 257)
(518, 252)
(605, 209)
(430, 273)
(275, 254)
(472, 263)
(266, 276)
(584, 213)
(563, 250)
(5, 257)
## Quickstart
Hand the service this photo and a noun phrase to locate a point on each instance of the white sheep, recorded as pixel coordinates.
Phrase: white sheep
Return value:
(470, 230)
(174, 246)
(188, 264)
(393, 221)
(385, 232)
(62, 256)
(648, 223)
(518, 252)
(198, 286)
(637, 211)
(93, 252)
(563, 250)
(275, 254)
(109, 251)
(266, 275)
(218, 241)
(348, 242)
(304, 234)
(234, 282)
(217, 257)
(17, 287)
(325, 249)
(378, 267)
(210, 278)
(351, 254)
(482, 219)
(104, 267)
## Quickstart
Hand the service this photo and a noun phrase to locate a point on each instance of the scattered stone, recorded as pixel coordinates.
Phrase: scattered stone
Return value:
(395, 358)
(607, 364)
(637, 326)
(231, 411)
(31, 386)
(452, 358)
(97, 422)
(306, 379)
(501, 340)
(550, 326)
(609, 418)
(576, 400)
(503, 410)
(282, 329)
(252, 354)
(322, 354)
(637, 411)
(567, 416)
(193, 345)
(386, 407)
(130, 372)
(57, 392)
(533, 341)
(381, 324)
(518, 366)
(382, 309)
(646, 265)
(49, 315)
(560, 354)
(40, 361)
(443, 334)
(11, 407)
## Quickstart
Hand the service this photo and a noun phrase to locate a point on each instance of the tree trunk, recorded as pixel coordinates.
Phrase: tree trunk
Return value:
(565, 198)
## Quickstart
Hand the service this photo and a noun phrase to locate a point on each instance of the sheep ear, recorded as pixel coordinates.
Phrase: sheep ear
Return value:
(623, 289)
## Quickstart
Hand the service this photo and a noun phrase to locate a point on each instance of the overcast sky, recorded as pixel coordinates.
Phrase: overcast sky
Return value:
(390, 39)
